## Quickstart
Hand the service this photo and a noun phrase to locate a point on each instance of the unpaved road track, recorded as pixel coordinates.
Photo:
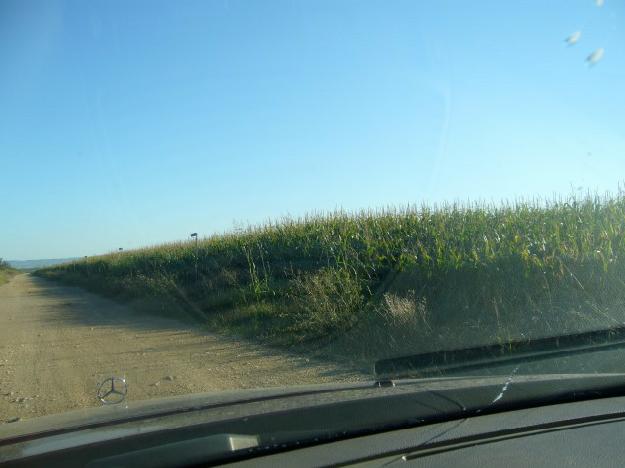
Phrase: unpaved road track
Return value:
(57, 343)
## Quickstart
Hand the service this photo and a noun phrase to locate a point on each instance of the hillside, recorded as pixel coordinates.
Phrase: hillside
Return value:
(37, 263)
(390, 281)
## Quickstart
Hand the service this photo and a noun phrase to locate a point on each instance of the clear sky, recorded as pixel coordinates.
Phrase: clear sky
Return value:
(129, 123)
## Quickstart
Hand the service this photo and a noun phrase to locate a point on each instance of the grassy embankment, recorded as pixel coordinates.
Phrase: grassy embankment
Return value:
(6, 272)
(392, 280)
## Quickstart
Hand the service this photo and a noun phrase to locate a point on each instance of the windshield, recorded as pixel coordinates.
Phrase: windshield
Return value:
(214, 196)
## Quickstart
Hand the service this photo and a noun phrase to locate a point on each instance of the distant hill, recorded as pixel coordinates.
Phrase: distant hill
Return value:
(40, 263)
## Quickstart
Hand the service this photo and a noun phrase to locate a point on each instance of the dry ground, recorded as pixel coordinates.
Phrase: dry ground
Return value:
(57, 343)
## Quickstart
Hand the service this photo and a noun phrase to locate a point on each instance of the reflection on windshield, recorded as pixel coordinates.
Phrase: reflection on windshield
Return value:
(269, 195)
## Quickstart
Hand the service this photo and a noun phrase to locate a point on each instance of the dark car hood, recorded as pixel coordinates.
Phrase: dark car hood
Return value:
(275, 398)
(422, 400)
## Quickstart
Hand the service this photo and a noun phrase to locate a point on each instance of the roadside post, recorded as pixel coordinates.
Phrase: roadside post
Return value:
(194, 236)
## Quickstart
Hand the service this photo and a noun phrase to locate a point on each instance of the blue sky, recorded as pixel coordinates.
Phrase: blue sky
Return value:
(125, 124)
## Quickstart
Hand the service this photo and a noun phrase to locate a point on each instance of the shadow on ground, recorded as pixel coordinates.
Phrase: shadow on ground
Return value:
(73, 306)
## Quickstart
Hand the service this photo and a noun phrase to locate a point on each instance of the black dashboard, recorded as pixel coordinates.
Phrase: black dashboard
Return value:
(558, 420)
(583, 434)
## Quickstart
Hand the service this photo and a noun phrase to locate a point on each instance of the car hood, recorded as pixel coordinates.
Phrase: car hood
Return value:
(272, 399)
(161, 408)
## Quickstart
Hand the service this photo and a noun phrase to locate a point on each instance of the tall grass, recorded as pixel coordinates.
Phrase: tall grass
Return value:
(416, 269)
(6, 272)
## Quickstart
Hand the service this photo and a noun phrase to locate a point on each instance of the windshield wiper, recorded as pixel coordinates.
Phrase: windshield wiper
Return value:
(513, 352)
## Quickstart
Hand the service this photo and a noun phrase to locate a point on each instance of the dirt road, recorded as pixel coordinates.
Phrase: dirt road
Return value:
(57, 343)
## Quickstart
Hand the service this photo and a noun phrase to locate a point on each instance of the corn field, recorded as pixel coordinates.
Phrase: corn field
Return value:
(319, 276)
